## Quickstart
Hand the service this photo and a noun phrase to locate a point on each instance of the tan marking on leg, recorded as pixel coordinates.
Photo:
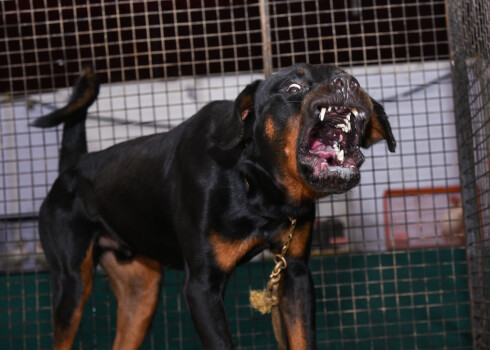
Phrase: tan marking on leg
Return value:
(289, 330)
(296, 335)
(136, 285)
(278, 328)
(228, 253)
(63, 337)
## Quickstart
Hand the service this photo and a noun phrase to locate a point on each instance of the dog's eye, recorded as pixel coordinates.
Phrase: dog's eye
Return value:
(293, 88)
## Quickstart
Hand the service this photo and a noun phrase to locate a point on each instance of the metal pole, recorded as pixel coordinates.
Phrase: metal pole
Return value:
(266, 37)
(456, 16)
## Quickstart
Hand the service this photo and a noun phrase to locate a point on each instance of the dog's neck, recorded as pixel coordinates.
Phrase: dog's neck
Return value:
(265, 194)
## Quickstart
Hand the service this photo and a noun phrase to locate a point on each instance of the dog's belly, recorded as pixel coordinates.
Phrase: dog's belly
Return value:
(148, 236)
(158, 248)
(151, 247)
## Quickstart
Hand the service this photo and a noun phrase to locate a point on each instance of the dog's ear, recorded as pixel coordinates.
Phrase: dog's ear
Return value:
(378, 128)
(230, 132)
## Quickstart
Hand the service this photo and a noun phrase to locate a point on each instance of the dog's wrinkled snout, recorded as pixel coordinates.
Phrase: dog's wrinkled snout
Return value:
(345, 84)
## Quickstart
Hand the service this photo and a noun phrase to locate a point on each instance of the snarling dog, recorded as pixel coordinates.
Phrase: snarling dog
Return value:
(204, 197)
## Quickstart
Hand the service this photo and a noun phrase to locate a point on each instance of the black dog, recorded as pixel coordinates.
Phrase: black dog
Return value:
(204, 197)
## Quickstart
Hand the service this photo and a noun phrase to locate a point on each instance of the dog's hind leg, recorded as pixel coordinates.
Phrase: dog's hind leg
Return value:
(68, 242)
(71, 290)
(136, 284)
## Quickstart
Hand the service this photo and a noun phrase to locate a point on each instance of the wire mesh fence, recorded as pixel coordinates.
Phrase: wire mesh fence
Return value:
(399, 262)
(469, 24)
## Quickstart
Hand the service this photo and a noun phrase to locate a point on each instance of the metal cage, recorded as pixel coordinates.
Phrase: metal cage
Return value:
(399, 262)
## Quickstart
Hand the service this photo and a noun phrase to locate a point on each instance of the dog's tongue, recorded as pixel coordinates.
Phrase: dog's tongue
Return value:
(322, 150)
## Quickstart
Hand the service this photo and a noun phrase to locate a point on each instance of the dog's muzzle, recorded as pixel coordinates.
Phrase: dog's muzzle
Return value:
(329, 148)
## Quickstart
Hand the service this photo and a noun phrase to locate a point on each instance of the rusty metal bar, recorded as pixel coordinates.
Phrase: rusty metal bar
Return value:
(266, 37)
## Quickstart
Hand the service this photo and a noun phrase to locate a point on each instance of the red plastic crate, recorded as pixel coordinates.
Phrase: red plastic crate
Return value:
(423, 217)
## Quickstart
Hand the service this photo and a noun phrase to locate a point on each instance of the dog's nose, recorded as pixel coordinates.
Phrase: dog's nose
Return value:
(345, 83)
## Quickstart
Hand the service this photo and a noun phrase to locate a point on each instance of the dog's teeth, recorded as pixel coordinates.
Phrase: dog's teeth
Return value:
(330, 108)
(322, 113)
(340, 156)
(355, 112)
(344, 127)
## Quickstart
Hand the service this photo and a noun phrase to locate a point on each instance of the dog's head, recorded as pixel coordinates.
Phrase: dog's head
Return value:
(309, 123)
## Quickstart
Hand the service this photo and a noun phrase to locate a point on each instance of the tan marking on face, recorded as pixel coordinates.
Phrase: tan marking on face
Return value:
(365, 99)
(270, 130)
(228, 253)
(374, 131)
(297, 189)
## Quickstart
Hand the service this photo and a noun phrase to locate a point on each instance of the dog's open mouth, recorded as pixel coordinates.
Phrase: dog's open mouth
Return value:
(329, 155)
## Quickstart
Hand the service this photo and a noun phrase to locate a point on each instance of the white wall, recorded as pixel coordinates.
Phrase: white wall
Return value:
(423, 124)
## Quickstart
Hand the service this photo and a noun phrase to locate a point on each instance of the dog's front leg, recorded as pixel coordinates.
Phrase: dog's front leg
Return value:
(203, 292)
(294, 318)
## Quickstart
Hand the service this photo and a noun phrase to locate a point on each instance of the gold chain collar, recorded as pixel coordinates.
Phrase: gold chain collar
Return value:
(264, 300)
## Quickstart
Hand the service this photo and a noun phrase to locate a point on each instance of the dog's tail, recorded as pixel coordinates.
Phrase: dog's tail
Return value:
(73, 115)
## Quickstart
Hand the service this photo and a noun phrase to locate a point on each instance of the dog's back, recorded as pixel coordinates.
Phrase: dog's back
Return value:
(234, 179)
